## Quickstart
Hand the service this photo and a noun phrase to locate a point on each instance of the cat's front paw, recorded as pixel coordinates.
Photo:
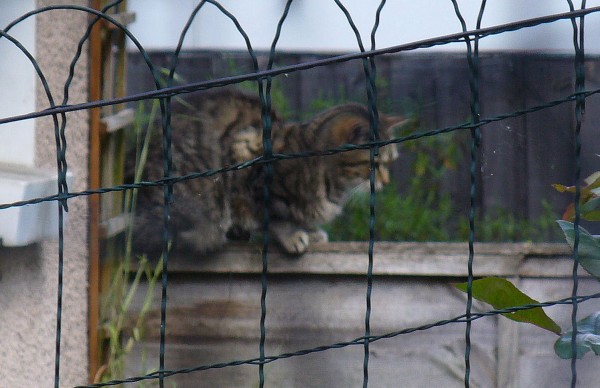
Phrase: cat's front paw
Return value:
(318, 235)
(296, 243)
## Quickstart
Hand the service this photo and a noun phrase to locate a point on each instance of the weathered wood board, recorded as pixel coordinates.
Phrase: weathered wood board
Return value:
(214, 311)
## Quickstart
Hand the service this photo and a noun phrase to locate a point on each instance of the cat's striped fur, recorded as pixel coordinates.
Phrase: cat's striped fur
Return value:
(216, 129)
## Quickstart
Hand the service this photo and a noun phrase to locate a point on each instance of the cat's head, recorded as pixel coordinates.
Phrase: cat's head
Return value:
(350, 124)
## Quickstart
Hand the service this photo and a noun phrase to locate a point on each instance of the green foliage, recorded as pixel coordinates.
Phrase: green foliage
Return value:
(588, 329)
(502, 294)
(589, 199)
(117, 300)
(416, 211)
(588, 338)
(506, 227)
(116, 309)
(588, 249)
(326, 99)
(414, 218)
(420, 210)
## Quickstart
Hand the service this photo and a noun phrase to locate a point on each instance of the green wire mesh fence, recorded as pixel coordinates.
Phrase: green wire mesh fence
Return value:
(263, 78)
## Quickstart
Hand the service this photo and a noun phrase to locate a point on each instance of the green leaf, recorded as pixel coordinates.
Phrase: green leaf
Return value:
(561, 188)
(592, 184)
(502, 294)
(589, 247)
(590, 205)
(588, 338)
(594, 215)
(589, 198)
(593, 181)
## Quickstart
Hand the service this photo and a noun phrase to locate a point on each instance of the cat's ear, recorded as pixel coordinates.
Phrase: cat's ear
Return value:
(348, 126)
(394, 123)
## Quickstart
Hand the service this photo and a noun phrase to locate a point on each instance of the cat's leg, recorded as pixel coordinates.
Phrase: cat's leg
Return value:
(292, 239)
(200, 222)
(148, 231)
(192, 231)
(204, 235)
(200, 241)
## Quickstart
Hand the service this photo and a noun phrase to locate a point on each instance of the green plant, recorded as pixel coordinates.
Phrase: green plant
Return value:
(118, 297)
(325, 100)
(500, 294)
(418, 208)
(414, 218)
(116, 308)
(507, 227)
(588, 329)
(589, 200)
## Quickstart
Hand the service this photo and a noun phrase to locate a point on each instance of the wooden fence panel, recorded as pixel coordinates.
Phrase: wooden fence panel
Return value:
(504, 144)
(520, 157)
(550, 133)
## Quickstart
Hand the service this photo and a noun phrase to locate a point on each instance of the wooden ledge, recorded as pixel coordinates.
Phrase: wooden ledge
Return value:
(390, 259)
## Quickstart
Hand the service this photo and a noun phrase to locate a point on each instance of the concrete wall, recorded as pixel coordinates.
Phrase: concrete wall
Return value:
(28, 283)
(214, 311)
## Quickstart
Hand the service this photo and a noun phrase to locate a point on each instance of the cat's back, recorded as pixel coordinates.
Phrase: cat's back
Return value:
(206, 125)
(218, 111)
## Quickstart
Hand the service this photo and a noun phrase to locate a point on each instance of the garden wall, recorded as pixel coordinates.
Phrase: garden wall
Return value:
(214, 310)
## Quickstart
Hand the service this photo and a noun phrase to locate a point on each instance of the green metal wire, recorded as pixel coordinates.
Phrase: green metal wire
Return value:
(264, 79)
(265, 97)
(473, 60)
(578, 39)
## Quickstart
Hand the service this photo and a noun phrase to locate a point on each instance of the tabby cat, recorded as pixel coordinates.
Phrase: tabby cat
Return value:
(221, 128)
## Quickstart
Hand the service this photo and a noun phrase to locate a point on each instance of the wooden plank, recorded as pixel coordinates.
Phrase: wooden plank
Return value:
(214, 318)
(402, 259)
(503, 149)
(226, 306)
(402, 362)
(94, 202)
(560, 267)
(549, 78)
(100, 84)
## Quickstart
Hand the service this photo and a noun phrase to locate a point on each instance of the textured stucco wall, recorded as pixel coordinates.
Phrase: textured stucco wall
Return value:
(28, 283)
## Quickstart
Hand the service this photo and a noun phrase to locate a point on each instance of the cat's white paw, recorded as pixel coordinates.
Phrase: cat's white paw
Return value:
(317, 236)
(297, 243)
